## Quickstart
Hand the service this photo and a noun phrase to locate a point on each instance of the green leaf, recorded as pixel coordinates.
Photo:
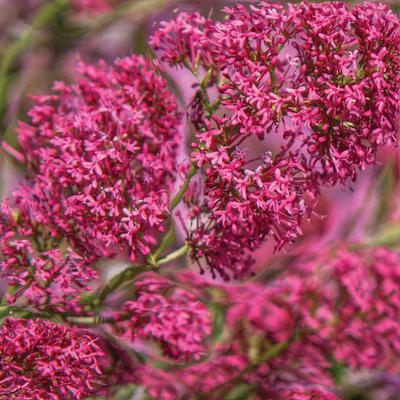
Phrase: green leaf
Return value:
(239, 392)
(389, 237)
(337, 370)
(126, 392)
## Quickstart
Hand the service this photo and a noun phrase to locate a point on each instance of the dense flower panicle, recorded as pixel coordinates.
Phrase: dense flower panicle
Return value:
(185, 41)
(348, 307)
(325, 75)
(43, 360)
(241, 207)
(324, 78)
(103, 155)
(172, 316)
(367, 334)
(40, 274)
(275, 76)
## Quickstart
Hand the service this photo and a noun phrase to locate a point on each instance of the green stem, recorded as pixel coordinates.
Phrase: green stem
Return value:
(174, 255)
(44, 15)
(153, 264)
(178, 197)
(126, 275)
(15, 311)
(273, 80)
(94, 320)
(203, 84)
(169, 237)
(166, 241)
(89, 320)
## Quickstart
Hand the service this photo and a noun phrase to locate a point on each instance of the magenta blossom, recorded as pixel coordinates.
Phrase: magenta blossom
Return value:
(103, 155)
(323, 78)
(241, 207)
(41, 360)
(169, 315)
(40, 274)
(307, 394)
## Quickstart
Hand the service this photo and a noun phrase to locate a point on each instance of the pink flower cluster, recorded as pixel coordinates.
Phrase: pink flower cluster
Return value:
(324, 75)
(367, 329)
(39, 273)
(345, 308)
(322, 78)
(339, 309)
(243, 208)
(169, 315)
(42, 360)
(307, 394)
(185, 41)
(101, 153)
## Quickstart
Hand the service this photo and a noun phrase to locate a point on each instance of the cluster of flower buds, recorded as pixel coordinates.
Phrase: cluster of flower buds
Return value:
(171, 316)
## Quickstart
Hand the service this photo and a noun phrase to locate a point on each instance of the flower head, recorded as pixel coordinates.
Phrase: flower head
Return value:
(41, 274)
(323, 74)
(102, 152)
(44, 360)
(324, 78)
(185, 40)
(171, 316)
(241, 207)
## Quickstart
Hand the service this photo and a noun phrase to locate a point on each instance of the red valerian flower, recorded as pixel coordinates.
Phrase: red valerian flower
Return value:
(103, 157)
(43, 360)
(346, 304)
(241, 207)
(323, 78)
(325, 75)
(40, 273)
(185, 40)
(307, 394)
(170, 315)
